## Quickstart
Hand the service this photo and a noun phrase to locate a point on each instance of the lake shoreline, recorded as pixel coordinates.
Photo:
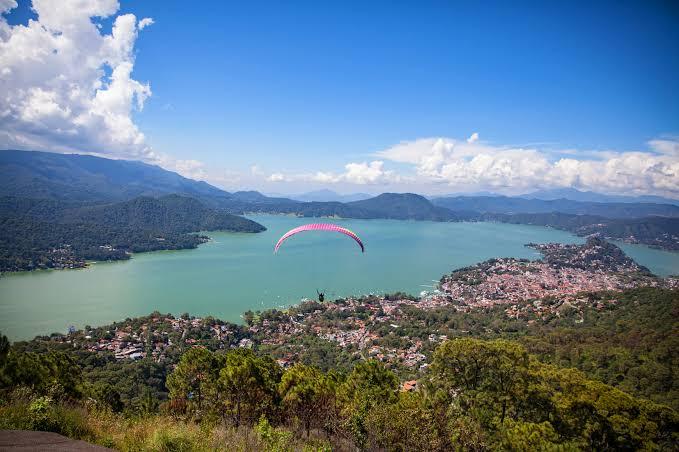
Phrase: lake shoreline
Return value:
(239, 272)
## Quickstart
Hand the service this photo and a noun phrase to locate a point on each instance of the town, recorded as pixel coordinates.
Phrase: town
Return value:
(397, 329)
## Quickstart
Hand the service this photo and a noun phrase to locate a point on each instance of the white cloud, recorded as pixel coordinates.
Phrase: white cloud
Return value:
(193, 169)
(277, 177)
(468, 165)
(363, 173)
(367, 173)
(474, 137)
(65, 86)
(145, 22)
(665, 146)
(6, 5)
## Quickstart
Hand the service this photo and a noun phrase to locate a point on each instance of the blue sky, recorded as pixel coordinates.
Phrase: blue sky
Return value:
(306, 88)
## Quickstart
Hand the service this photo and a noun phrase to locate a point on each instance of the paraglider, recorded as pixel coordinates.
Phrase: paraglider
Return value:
(319, 227)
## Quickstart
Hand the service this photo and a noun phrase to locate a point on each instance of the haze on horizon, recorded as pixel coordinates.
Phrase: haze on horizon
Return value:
(439, 98)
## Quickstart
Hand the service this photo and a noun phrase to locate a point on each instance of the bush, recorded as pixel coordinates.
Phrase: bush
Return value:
(43, 414)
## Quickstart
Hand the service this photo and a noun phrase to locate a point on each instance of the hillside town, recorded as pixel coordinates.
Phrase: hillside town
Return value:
(391, 328)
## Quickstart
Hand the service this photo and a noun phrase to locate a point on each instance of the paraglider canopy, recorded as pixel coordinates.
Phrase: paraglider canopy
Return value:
(319, 227)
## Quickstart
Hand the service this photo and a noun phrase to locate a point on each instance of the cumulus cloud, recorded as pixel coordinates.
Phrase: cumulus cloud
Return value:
(145, 22)
(193, 169)
(474, 137)
(665, 146)
(467, 165)
(66, 86)
(363, 173)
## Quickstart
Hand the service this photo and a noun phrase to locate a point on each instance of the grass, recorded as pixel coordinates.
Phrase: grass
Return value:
(160, 433)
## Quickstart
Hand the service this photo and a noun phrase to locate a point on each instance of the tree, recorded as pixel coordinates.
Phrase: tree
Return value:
(249, 317)
(106, 396)
(405, 425)
(489, 378)
(193, 378)
(368, 384)
(599, 417)
(4, 348)
(306, 393)
(247, 386)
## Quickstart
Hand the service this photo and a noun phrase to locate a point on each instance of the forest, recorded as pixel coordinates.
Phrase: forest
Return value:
(38, 234)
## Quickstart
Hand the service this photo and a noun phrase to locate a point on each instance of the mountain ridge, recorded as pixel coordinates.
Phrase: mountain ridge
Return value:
(95, 180)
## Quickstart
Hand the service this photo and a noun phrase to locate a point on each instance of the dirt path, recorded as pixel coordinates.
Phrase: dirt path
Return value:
(22, 440)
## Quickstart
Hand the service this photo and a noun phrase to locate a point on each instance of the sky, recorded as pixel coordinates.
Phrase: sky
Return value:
(289, 97)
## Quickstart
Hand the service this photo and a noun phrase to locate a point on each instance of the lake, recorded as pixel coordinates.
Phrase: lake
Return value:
(237, 272)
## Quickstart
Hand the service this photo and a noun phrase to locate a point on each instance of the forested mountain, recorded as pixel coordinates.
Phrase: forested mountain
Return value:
(403, 206)
(509, 205)
(658, 232)
(77, 177)
(87, 178)
(58, 234)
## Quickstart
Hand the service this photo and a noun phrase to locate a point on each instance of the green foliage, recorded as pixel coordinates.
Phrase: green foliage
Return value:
(369, 384)
(489, 379)
(307, 394)
(45, 414)
(632, 344)
(275, 440)
(405, 425)
(528, 437)
(529, 405)
(50, 234)
(248, 387)
(42, 372)
(194, 378)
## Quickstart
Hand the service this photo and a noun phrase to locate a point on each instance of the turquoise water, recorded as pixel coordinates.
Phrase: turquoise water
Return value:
(237, 272)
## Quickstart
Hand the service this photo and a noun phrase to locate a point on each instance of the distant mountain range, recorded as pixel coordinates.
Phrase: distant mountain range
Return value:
(94, 180)
(326, 195)
(590, 196)
(505, 204)
(77, 177)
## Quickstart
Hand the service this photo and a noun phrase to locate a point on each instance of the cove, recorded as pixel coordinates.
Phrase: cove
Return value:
(237, 272)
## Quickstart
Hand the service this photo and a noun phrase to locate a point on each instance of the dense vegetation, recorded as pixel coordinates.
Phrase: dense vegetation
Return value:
(605, 382)
(511, 205)
(73, 177)
(49, 234)
(657, 232)
(478, 395)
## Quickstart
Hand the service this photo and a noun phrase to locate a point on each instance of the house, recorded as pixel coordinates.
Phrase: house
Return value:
(408, 386)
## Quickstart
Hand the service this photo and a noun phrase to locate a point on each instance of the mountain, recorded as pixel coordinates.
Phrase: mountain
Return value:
(170, 214)
(508, 205)
(402, 206)
(44, 233)
(33, 174)
(656, 232)
(78, 182)
(326, 195)
(590, 196)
